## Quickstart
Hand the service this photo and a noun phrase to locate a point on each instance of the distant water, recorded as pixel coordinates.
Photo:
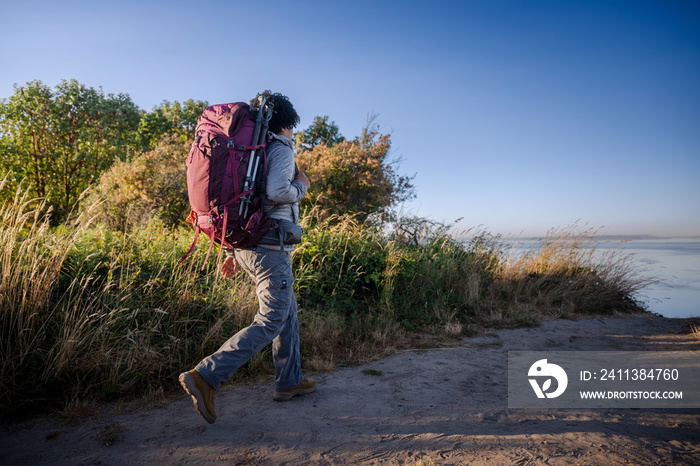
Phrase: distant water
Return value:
(674, 261)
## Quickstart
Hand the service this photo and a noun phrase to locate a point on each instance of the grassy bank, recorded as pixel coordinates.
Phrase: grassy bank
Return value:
(89, 313)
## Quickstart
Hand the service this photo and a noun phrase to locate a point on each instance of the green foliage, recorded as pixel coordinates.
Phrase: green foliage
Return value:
(62, 140)
(320, 132)
(153, 184)
(152, 128)
(340, 264)
(170, 120)
(184, 116)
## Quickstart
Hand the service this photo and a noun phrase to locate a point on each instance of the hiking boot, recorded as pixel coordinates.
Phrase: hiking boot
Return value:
(306, 386)
(201, 392)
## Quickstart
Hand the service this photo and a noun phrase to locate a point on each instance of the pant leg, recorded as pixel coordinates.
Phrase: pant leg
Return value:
(285, 352)
(272, 273)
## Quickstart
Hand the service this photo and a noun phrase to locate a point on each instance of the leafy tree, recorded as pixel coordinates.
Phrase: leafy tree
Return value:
(153, 127)
(61, 141)
(166, 119)
(320, 132)
(354, 176)
(26, 131)
(187, 116)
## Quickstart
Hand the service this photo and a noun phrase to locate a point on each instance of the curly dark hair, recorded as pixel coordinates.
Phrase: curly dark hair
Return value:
(283, 113)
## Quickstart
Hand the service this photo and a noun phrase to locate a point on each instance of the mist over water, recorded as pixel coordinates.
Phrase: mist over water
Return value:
(675, 262)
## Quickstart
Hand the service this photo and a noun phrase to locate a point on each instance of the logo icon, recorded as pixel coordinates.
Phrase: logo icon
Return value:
(542, 369)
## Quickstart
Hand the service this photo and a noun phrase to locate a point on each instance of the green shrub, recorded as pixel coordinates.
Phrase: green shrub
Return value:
(339, 266)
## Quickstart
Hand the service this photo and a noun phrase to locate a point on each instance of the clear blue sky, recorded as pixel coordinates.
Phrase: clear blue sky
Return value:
(520, 116)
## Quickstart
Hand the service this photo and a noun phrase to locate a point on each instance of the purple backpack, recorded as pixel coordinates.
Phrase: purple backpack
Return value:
(226, 204)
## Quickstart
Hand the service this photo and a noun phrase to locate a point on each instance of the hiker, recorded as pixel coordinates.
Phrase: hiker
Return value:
(269, 264)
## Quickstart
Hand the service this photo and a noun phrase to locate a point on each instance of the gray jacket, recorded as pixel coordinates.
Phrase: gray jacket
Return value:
(283, 192)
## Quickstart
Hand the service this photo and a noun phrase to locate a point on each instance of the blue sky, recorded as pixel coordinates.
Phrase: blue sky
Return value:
(520, 116)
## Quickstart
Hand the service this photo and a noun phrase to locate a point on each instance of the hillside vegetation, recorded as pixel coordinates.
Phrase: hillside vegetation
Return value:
(93, 305)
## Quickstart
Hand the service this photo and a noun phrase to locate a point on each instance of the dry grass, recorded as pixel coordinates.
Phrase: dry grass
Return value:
(331, 340)
(110, 434)
(30, 260)
(79, 410)
(565, 275)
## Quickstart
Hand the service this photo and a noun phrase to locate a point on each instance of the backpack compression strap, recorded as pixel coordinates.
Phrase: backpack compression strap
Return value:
(223, 236)
(231, 149)
(194, 243)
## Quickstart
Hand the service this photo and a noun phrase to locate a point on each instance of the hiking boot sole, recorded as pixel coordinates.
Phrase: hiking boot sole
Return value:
(286, 396)
(187, 382)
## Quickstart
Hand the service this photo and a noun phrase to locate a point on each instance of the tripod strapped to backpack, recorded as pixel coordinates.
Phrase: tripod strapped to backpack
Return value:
(262, 122)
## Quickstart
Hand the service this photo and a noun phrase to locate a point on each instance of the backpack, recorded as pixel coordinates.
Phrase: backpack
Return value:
(226, 201)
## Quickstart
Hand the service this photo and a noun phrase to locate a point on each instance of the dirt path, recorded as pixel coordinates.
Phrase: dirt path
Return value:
(446, 406)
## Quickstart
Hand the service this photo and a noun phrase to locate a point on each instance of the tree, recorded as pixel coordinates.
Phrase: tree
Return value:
(189, 115)
(320, 132)
(152, 128)
(170, 119)
(61, 141)
(353, 176)
(26, 121)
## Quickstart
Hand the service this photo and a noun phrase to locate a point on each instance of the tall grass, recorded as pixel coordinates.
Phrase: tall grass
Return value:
(91, 313)
(31, 257)
(566, 273)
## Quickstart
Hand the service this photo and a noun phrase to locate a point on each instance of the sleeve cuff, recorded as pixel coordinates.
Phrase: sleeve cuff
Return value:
(301, 187)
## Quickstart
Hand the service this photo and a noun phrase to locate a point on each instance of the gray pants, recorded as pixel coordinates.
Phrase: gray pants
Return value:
(275, 321)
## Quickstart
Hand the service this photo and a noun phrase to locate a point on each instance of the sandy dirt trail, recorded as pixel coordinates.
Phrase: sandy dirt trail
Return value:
(443, 406)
